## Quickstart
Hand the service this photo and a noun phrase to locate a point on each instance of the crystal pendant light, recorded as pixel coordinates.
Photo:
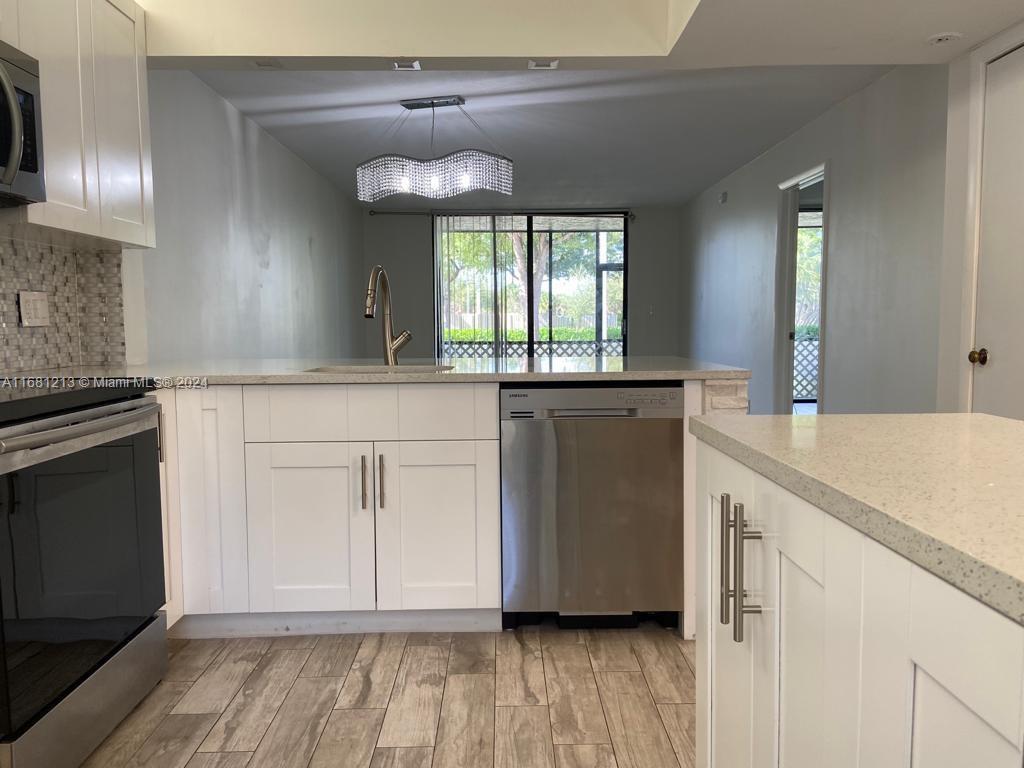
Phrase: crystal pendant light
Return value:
(463, 170)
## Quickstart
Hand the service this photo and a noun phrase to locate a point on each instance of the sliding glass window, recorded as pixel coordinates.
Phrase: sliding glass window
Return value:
(531, 285)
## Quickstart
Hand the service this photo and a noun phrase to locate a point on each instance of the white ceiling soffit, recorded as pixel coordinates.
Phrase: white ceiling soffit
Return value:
(583, 34)
(420, 28)
(579, 139)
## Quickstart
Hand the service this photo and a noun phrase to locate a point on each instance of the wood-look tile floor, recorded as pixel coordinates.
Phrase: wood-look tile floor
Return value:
(533, 698)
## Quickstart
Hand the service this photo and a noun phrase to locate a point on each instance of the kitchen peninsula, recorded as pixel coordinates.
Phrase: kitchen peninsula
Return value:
(873, 608)
(262, 455)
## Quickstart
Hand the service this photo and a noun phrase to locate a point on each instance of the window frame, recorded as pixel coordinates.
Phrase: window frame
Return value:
(599, 273)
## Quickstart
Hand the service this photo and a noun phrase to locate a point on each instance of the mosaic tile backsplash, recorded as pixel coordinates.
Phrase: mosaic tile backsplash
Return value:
(85, 302)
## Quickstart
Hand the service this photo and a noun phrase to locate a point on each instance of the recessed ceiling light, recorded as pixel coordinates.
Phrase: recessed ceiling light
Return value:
(542, 64)
(945, 37)
(409, 65)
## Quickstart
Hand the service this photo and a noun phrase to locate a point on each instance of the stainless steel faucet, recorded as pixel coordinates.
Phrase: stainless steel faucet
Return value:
(392, 343)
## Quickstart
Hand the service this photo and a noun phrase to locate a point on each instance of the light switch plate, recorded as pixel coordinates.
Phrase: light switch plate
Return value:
(35, 308)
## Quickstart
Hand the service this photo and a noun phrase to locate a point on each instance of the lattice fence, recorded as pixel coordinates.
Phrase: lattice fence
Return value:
(805, 369)
(481, 349)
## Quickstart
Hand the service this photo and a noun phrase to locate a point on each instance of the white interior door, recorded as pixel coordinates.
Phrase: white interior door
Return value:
(999, 324)
(438, 524)
(311, 526)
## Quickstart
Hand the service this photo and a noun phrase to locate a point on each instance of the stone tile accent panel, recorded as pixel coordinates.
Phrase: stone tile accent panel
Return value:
(86, 309)
(727, 396)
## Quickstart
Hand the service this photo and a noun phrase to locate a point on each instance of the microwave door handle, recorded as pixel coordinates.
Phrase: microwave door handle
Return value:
(17, 128)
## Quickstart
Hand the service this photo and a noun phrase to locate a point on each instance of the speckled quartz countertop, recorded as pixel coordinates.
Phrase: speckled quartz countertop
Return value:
(464, 370)
(946, 491)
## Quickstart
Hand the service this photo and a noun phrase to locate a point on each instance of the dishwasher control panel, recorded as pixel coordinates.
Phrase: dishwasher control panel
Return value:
(539, 402)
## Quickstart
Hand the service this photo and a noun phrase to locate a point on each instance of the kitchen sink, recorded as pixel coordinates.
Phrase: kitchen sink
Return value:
(381, 369)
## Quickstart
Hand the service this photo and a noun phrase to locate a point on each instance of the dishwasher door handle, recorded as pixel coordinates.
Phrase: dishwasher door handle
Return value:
(591, 413)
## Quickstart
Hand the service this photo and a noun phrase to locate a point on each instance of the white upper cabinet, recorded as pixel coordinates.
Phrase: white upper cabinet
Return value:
(438, 525)
(311, 526)
(122, 122)
(95, 118)
(59, 34)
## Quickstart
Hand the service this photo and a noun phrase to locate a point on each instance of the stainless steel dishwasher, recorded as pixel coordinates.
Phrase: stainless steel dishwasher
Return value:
(592, 499)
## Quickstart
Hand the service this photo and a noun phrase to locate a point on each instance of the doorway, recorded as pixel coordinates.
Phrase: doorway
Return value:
(802, 250)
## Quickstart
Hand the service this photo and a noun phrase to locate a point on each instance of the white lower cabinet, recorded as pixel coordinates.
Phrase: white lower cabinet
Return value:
(211, 498)
(359, 526)
(857, 658)
(311, 526)
(278, 515)
(438, 524)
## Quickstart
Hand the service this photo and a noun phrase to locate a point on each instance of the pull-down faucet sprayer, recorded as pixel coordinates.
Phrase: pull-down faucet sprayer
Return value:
(378, 277)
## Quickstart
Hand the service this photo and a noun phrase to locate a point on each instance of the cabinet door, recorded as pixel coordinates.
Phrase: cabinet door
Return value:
(211, 472)
(725, 668)
(122, 122)
(311, 526)
(59, 34)
(438, 525)
(790, 674)
(943, 680)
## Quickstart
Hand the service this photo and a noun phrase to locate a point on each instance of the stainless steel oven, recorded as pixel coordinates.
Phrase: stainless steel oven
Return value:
(592, 499)
(21, 137)
(81, 576)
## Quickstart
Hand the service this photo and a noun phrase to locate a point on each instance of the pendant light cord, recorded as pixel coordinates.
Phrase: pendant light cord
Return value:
(433, 120)
(479, 128)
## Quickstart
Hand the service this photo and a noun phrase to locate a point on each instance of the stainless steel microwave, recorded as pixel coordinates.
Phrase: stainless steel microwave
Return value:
(21, 137)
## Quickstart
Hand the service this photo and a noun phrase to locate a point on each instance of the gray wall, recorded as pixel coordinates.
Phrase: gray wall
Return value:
(257, 255)
(404, 245)
(654, 275)
(886, 152)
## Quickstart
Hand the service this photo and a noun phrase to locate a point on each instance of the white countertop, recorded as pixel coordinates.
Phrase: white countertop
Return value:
(296, 371)
(945, 491)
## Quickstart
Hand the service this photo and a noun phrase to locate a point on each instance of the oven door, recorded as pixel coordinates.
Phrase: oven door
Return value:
(21, 147)
(81, 554)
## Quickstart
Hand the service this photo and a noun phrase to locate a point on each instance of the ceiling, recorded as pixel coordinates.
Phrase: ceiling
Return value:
(739, 33)
(579, 139)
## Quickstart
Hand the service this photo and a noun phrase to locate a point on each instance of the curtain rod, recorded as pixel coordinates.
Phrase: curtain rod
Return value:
(534, 212)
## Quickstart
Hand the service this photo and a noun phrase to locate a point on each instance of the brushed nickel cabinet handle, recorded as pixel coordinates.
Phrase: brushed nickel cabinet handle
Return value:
(364, 480)
(739, 606)
(381, 462)
(725, 593)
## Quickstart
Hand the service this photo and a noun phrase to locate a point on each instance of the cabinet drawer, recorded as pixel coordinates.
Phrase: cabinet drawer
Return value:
(285, 413)
(448, 412)
(298, 413)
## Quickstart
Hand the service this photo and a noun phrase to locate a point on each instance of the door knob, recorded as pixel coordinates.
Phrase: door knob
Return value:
(977, 356)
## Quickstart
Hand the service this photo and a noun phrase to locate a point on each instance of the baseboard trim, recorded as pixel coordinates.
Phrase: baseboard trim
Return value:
(194, 627)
